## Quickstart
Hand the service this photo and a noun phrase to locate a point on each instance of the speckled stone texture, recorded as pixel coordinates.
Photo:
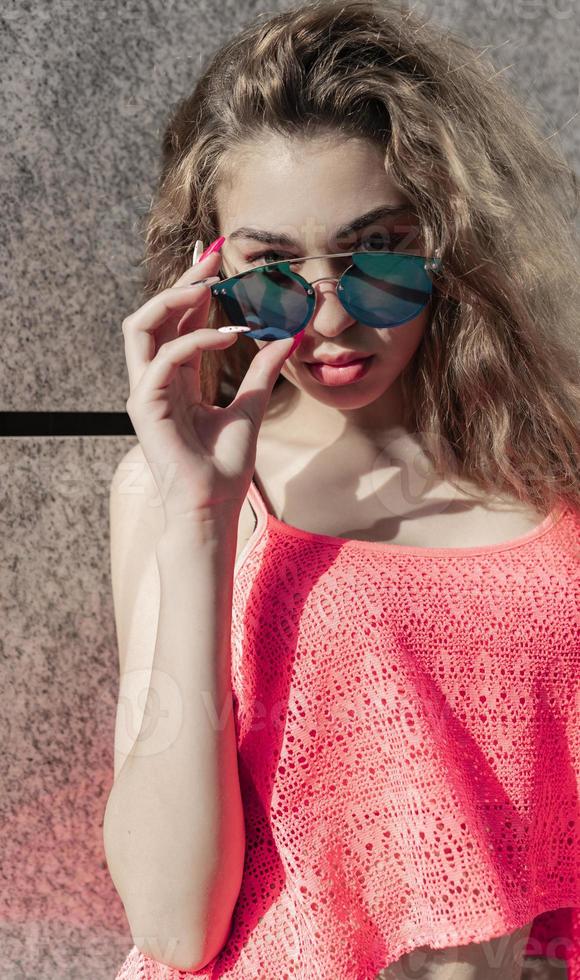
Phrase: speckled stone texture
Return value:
(84, 93)
(60, 916)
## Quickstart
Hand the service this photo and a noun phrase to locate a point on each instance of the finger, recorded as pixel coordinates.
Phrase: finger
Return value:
(208, 267)
(161, 371)
(140, 327)
(255, 390)
(196, 273)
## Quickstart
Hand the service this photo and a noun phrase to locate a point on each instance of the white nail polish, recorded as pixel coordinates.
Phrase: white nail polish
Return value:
(233, 329)
(198, 249)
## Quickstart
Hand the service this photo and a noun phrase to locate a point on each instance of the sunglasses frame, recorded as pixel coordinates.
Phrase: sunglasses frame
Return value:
(433, 263)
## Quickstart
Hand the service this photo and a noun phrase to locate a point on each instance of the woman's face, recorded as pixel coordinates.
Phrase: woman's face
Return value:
(306, 191)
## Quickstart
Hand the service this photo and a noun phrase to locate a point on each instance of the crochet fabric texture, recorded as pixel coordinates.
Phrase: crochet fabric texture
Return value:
(408, 738)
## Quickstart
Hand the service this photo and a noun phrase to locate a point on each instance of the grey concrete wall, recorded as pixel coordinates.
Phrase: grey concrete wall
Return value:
(84, 92)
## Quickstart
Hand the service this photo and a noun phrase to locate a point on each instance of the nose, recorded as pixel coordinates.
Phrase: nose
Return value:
(324, 278)
(329, 317)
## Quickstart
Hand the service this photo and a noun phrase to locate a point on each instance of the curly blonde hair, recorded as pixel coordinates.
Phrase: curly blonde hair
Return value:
(493, 388)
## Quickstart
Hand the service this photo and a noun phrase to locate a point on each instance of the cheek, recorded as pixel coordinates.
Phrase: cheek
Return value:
(400, 343)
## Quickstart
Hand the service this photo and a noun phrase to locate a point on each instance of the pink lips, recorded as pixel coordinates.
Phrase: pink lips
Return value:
(345, 373)
(340, 361)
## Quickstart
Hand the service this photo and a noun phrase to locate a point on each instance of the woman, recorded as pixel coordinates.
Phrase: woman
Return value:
(357, 756)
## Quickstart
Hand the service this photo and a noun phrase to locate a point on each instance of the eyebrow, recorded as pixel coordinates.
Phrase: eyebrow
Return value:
(357, 224)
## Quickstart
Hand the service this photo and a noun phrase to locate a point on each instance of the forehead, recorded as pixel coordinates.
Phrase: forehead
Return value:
(294, 185)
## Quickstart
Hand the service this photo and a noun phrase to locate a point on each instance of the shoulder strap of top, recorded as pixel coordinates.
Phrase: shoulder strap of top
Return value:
(260, 514)
(257, 499)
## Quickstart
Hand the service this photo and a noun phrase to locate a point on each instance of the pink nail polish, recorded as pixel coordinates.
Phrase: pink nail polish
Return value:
(214, 247)
(297, 341)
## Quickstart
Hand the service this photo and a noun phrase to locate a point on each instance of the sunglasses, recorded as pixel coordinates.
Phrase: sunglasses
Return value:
(381, 289)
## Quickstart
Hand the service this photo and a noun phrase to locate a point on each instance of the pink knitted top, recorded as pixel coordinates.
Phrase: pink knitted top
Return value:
(409, 751)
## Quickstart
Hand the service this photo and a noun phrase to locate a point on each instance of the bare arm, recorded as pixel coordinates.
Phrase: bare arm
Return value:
(174, 828)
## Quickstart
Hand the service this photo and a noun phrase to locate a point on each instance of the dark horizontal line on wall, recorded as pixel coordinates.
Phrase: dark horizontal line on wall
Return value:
(65, 424)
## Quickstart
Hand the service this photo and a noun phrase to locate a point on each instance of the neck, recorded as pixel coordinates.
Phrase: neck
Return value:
(307, 419)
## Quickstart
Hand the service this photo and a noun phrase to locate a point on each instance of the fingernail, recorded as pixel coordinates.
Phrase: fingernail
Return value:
(233, 329)
(205, 282)
(197, 249)
(214, 247)
(297, 341)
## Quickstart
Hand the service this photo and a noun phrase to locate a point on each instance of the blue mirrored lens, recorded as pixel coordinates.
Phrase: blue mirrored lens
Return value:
(385, 290)
(272, 302)
(380, 290)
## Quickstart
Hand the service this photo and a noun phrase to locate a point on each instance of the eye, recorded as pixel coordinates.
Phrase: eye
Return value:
(380, 243)
(268, 257)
